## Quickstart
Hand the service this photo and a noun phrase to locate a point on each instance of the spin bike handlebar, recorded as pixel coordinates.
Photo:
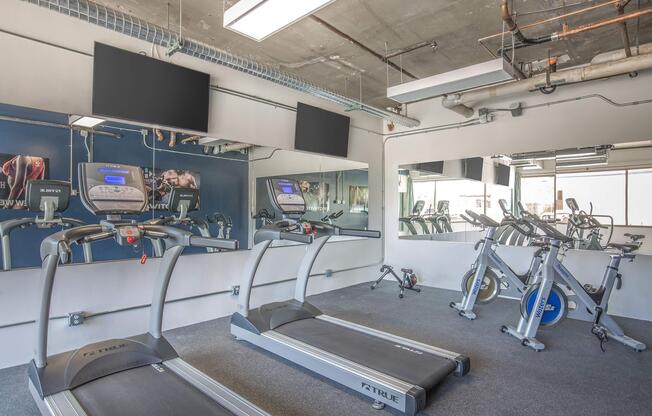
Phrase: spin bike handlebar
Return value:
(550, 231)
(483, 219)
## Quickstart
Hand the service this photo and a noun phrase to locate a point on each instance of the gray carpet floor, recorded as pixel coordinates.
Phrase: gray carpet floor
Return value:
(571, 377)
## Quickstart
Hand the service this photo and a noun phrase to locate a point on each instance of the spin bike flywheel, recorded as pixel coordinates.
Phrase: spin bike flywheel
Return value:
(489, 287)
(556, 307)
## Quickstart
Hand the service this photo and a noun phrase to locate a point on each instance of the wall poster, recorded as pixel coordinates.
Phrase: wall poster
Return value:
(358, 199)
(316, 195)
(15, 171)
(160, 182)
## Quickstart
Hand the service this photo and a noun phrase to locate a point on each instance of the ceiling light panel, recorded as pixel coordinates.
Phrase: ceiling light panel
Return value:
(86, 122)
(259, 19)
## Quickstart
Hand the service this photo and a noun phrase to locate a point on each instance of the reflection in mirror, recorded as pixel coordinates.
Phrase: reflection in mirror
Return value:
(596, 195)
(336, 190)
(48, 146)
(434, 196)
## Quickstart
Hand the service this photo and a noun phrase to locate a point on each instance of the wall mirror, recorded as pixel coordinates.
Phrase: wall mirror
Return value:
(597, 194)
(336, 190)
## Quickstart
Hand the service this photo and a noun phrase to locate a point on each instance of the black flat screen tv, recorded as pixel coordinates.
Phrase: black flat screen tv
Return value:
(431, 167)
(138, 88)
(473, 168)
(321, 131)
(502, 174)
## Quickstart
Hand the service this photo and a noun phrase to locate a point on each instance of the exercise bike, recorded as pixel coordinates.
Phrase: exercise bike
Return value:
(408, 281)
(585, 229)
(490, 275)
(546, 303)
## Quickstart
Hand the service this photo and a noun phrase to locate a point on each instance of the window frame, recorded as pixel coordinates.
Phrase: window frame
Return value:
(612, 169)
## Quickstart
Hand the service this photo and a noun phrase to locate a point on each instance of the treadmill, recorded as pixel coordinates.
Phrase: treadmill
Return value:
(391, 370)
(136, 376)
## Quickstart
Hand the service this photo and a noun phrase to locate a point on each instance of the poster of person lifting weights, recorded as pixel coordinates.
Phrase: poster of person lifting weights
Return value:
(159, 182)
(15, 171)
(315, 195)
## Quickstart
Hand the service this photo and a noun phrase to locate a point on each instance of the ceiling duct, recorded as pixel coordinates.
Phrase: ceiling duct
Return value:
(129, 25)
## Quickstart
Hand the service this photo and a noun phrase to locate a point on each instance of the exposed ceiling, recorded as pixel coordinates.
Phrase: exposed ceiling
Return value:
(316, 53)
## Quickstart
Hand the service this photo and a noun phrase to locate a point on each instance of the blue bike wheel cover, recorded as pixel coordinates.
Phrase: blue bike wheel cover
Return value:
(552, 310)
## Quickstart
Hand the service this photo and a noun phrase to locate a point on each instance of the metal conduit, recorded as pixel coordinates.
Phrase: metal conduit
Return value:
(126, 24)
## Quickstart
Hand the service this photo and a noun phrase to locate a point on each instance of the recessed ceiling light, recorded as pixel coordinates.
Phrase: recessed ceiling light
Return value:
(86, 121)
(259, 19)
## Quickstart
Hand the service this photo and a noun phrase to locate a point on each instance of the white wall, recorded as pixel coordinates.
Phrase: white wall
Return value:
(46, 77)
(573, 124)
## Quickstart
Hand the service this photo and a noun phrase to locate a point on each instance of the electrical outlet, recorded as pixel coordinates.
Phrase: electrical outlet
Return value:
(76, 318)
(235, 290)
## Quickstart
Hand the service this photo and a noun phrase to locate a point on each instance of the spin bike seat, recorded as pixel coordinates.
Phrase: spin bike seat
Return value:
(408, 271)
(635, 237)
(625, 248)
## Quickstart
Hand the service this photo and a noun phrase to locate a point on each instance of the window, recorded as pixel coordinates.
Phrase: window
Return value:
(462, 194)
(424, 191)
(604, 190)
(537, 195)
(494, 194)
(639, 198)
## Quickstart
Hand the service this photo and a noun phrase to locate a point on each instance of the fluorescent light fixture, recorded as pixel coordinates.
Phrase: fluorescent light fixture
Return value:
(474, 76)
(536, 165)
(85, 121)
(576, 153)
(260, 19)
(596, 161)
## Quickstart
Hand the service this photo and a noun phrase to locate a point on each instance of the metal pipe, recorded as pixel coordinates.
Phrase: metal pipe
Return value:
(623, 30)
(551, 19)
(602, 23)
(569, 76)
(361, 46)
(619, 54)
(126, 24)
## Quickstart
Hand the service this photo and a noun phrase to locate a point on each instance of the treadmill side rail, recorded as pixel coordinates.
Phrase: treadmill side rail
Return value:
(60, 404)
(395, 393)
(463, 363)
(216, 391)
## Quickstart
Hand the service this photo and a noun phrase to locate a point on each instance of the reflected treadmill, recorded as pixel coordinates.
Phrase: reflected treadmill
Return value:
(136, 376)
(391, 370)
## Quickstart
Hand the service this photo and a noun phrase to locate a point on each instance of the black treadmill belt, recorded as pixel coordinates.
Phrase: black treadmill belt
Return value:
(145, 391)
(417, 368)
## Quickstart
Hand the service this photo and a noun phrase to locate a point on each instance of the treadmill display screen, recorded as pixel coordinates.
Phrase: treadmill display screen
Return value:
(108, 170)
(115, 180)
(287, 196)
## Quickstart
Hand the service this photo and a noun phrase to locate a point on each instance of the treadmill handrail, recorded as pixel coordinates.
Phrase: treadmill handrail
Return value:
(7, 227)
(303, 275)
(58, 243)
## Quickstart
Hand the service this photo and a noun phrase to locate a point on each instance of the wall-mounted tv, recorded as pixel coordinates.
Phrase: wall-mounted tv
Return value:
(436, 168)
(502, 174)
(321, 131)
(473, 168)
(138, 88)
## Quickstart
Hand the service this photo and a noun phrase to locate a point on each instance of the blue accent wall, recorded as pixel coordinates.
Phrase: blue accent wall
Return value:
(223, 187)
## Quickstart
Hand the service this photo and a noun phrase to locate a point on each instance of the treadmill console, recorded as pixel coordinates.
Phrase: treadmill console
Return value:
(39, 191)
(110, 188)
(286, 196)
